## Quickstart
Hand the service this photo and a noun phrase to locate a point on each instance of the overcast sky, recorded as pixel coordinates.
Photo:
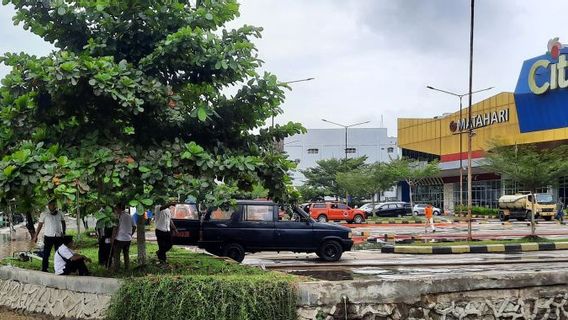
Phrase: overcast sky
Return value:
(373, 58)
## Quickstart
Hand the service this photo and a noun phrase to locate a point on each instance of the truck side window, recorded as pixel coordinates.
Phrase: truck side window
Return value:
(220, 214)
(258, 213)
(185, 211)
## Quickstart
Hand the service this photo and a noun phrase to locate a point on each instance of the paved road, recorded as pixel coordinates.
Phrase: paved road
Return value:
(492, 229)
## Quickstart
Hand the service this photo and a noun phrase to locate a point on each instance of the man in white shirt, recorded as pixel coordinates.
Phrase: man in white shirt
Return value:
(122, 235)
(54, 221)
(67, 262)
(164, 228)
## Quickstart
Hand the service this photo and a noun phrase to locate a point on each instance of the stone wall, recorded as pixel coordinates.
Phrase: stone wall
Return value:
(56, 296)
(522, 295)
(469, 296)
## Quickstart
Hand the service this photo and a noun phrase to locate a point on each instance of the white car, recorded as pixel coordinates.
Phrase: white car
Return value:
(418, 210)
(367, 207)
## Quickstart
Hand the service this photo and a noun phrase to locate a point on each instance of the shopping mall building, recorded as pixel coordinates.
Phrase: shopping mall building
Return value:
(536, 113)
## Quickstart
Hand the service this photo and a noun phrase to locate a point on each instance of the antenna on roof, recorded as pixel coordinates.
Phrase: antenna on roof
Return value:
(382, 124)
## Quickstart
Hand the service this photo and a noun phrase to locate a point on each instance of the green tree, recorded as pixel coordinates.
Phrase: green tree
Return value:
(369, 180)
(530, 167)
(412, 172)
(323, 176)
(132, 106)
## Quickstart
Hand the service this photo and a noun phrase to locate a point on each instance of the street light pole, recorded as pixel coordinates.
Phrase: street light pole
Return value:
(287, 83)
(470, 127)
(345, 127)
(460, 96)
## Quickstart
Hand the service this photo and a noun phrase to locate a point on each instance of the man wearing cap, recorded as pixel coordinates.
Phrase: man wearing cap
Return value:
(67, 262)
(54, 222)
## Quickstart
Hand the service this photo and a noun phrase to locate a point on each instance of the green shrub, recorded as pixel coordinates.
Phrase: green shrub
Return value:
(480, 211)
(251, 297)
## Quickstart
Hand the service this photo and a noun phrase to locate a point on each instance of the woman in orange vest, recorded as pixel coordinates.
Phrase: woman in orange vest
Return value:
(429, 214)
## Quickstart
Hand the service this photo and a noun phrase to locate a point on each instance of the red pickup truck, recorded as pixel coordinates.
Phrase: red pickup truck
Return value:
(328, 211)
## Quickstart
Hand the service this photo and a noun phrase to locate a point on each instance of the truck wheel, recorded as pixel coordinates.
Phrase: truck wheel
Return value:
(503, 217)
(358, 218)
(529, 214)
(548, 218)
(330, 251)
(234, 251)
(322, 218)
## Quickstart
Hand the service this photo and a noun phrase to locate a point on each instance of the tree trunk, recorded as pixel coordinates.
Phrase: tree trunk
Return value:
(533, 224)
(78, 215)
(10, 222)
(30, 223)
(141, 239)
(373, 205)
(410, 194)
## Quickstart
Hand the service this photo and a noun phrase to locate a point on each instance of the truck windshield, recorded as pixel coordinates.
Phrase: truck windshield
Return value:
(544, 198)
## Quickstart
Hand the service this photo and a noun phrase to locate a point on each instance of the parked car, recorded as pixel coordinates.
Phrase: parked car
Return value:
(393, 209)
(254, 226)
(418, 210)
(331, 211)
(367, 207)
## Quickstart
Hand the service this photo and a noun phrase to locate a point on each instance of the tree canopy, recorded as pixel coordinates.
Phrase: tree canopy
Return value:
(530, 167)
(133, 105)
(413, 171)
(321, 179)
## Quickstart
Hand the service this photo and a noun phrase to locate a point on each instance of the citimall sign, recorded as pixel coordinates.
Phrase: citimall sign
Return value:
(541, 94)
(480, 120)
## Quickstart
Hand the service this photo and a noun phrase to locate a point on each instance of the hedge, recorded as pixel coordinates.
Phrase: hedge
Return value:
(219, 297)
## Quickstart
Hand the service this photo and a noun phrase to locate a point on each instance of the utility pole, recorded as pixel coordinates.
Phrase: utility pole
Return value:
(470, 126)
(346, 127)
(460, 132)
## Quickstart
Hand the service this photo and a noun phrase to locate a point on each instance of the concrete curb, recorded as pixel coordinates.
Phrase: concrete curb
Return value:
(490, 248)
(94, 285)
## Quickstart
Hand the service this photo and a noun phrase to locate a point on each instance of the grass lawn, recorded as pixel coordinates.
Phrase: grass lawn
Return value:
(180, 262)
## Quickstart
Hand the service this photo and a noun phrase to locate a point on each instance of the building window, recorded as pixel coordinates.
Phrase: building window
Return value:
(390, 149)
(313, 151)
(350, 150)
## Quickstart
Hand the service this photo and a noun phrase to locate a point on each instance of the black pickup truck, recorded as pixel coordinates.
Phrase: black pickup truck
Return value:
(254, 226)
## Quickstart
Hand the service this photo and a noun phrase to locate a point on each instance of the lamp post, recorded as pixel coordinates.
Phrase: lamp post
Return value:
(287, 83)
(460, 96)
(470, 127)
(345, 127)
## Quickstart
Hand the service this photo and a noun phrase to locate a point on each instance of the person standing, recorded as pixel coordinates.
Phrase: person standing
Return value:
(164, 229)
(122, 236)
(66, 261)
(54, 221)
(560, 211)
(429, 214)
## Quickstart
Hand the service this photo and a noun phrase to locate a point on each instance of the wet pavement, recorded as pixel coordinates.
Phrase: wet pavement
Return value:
(14, 242)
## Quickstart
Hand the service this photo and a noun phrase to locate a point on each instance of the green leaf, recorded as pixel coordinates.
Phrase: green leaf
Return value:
(147, 202)
(8, 170)
(134, 203)
(201, 114)
(144, 169)
(68, 66)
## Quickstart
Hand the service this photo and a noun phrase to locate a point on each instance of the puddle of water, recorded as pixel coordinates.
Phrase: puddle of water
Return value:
(19, 241)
